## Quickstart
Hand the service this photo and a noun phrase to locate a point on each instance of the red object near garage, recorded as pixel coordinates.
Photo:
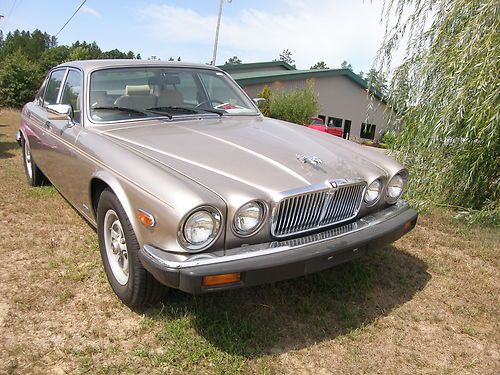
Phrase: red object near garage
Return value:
(317, 124)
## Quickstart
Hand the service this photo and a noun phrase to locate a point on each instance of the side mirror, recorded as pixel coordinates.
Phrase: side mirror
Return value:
(260, 102)
(60, 112)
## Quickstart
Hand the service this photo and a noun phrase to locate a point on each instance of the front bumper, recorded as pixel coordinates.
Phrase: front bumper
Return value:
(280, 260)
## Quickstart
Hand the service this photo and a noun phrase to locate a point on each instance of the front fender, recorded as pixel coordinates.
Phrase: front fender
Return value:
(117, 186)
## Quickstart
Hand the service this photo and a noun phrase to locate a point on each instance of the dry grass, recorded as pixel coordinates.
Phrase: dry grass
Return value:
(427, 304)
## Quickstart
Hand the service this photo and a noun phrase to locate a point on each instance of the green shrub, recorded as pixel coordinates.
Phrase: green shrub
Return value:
(295, 106)
(19, 80)
(389, 139)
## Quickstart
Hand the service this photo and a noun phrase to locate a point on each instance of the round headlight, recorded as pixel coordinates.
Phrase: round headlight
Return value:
(395, 188)
(373, 192)
(248, 218)
(201, 228)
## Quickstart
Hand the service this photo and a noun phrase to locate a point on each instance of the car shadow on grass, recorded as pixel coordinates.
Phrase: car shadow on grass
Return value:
(296, 313)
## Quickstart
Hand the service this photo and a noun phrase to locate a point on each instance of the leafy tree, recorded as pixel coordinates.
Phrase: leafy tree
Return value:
(376, 81)
(320, 65)
(32, 44)
(89, 51)
(345, 65)
(448, 100)
(286, 56)
(295, 106)
(37, 53)
(116, 54)
(233, 60)
(81, 53)
(19, 80)
(52, 57)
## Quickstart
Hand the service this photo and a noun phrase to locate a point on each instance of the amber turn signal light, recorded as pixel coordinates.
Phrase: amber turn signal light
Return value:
(227, 278)
(146, 218)
(409, 225)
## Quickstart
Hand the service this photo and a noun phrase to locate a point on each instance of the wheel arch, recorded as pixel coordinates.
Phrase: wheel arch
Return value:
(102, 180)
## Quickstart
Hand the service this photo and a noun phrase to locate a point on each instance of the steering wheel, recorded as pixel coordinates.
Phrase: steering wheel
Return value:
(209, 101)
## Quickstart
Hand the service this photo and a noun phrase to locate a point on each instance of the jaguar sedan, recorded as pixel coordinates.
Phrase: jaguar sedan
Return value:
(190, 187)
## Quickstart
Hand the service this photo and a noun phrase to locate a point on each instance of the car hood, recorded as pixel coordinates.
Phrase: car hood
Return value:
(256, 152)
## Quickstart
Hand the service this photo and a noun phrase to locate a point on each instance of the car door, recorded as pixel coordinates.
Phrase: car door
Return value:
(64, 159)
(40, 140)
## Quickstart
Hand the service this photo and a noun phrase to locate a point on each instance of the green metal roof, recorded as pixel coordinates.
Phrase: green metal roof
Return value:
(260, 77)
(256, 65)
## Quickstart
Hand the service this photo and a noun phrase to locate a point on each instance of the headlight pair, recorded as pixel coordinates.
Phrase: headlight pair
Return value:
(394, 190)
(201, 228)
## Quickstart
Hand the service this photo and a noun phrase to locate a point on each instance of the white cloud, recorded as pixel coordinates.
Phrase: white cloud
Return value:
(90, 11)
(329, 30)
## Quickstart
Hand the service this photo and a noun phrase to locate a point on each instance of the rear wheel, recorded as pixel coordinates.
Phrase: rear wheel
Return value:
(34, 175)
(119, 251)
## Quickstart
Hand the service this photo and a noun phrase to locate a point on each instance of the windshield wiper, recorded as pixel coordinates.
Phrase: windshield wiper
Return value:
(217, 111)
(132, 110)
(123, 109)
(170, 109)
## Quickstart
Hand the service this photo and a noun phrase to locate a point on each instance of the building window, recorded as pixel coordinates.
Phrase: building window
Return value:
(334, 122)
(367, 131)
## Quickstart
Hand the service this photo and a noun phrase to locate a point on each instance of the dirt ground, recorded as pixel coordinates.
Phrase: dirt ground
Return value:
(427, 304)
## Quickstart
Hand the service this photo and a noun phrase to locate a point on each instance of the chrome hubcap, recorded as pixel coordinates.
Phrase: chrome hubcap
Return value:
(27, 158)
(116, 247)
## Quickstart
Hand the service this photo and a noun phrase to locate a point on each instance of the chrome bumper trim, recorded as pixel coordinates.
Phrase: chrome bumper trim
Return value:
(176, 261)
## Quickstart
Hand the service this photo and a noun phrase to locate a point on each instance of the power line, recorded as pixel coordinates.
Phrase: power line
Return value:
(70, 18)
(7, 19)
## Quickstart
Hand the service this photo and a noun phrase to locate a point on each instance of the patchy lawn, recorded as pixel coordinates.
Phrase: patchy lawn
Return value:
(427, 304)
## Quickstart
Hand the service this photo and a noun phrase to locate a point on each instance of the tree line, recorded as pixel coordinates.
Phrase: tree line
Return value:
(25, 58)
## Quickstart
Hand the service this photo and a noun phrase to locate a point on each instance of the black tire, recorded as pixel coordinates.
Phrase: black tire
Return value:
(33, 174)
(141, 288)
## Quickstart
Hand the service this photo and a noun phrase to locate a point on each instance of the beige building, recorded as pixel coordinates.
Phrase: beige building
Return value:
(342, 95)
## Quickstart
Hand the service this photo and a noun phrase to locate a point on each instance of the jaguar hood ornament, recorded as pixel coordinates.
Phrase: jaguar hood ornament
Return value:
(313, 160)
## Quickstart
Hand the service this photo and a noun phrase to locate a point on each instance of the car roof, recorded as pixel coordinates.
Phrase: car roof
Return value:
(87, 65)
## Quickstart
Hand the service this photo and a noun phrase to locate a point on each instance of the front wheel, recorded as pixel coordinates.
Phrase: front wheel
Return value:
(119, 251)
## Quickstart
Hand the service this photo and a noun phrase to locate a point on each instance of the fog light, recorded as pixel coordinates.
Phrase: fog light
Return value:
(227, 278)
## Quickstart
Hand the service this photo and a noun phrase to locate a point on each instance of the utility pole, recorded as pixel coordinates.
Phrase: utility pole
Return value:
(214, 57)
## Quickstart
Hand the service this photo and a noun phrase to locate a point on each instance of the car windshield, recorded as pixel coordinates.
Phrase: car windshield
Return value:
(142, 92)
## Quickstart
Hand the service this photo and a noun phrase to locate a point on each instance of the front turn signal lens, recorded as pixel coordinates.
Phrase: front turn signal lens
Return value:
(227, 278)
(146, 218)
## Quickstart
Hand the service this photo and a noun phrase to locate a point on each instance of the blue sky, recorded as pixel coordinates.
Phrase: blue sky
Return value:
(254, 30)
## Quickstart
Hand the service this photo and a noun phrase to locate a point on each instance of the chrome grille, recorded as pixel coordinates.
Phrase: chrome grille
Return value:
(312, 210)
